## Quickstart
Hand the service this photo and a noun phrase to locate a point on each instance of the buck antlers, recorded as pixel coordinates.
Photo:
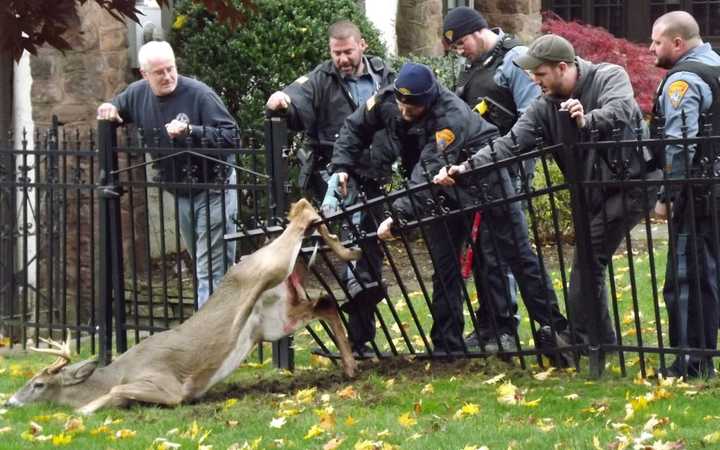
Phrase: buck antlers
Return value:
(61, 350)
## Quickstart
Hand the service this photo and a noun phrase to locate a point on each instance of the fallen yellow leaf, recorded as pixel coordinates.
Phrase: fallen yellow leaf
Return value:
(348, 393)
(405, 420)
(306, 395)
(327, 418)
(314, 432)
(427, 389)
(74, 424)
(468, 409)
(124, 434)
(712, 438)
(509, 394)
(61, 439)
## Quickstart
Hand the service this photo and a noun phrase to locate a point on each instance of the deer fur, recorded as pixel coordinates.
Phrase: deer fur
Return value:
(260, 298)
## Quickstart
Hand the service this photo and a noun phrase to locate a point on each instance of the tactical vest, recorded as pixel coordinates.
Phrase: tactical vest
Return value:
(477, 83)
(706, 161)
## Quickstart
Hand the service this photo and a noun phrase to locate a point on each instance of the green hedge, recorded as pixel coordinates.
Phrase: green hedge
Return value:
(281, 40)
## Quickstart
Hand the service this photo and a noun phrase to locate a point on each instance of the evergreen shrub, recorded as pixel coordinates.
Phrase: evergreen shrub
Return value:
(280, 41)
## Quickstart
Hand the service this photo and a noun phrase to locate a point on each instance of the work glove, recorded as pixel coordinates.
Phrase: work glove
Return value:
(331, 201)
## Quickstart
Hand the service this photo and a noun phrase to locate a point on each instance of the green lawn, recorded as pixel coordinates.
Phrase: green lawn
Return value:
(404, 402)
(401, 403)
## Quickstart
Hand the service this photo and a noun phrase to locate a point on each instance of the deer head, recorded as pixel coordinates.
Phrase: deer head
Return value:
(49, 383)
(303, 213)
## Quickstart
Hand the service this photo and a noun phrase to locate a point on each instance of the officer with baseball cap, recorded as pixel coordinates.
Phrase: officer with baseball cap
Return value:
(597, 94)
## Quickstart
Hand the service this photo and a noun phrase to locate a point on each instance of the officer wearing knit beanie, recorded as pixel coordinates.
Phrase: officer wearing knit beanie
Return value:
(460, 22)
(416, 85)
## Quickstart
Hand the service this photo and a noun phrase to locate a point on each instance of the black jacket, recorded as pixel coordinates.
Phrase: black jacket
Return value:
(320, 103)
(448, 129)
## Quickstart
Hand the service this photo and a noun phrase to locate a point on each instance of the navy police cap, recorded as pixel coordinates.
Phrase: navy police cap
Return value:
(415, 84)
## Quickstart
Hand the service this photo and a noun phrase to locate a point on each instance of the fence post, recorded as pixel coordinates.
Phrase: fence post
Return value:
(276, 144)
(583, 243)
(110, 242)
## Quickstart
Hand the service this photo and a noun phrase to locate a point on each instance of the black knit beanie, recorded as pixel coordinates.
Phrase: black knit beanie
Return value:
(461, 21)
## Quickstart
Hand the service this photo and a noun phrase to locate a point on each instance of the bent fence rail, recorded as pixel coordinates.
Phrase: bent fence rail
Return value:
(68, 214)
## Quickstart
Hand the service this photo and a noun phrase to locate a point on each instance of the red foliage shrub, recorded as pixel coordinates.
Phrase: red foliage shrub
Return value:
(596, 44)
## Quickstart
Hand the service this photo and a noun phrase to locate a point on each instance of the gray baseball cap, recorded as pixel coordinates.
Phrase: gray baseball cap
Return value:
(547, 48)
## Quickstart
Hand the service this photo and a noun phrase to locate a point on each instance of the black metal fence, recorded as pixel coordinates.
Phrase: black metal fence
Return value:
(69, 213)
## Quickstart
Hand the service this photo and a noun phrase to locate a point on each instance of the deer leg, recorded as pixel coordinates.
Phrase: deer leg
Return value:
(327, 310)
(140, 391)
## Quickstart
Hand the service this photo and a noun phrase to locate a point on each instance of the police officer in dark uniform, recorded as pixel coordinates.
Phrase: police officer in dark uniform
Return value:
(500, 91)
(688, 99)
(425, 122)
(318, 104)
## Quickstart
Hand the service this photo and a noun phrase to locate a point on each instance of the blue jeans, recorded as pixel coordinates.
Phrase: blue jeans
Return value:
(207, 245)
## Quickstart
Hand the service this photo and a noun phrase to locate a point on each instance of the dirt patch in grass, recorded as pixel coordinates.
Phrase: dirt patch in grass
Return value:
(333, 379)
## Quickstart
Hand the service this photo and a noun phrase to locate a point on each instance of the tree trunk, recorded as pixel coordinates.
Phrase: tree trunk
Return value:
(419, 27)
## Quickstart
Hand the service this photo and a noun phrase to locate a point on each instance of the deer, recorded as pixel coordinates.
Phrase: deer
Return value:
(260, 298)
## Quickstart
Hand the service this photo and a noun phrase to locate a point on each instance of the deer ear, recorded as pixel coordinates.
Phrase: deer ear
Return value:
(78, 372)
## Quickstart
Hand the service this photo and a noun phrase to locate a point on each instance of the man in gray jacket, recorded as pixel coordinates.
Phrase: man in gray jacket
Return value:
(597, 96)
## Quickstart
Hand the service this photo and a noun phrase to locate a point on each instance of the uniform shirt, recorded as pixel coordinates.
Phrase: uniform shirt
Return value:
(363, 86)
(516, 80)
(685, 91)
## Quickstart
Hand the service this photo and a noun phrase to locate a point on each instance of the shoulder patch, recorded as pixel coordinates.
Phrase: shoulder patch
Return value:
(444, 138)
(370, 103)
(676, 91)
(302, 79)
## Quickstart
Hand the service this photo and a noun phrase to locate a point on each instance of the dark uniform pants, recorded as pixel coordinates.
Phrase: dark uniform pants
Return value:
(691, 282)
(509, 241)
(496, 289)
(445, 239)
